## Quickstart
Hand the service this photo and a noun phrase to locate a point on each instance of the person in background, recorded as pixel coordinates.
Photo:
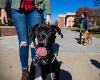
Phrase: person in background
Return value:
(26, 14)
(84, 23)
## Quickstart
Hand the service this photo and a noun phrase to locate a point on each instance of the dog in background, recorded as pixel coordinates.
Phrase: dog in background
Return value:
(43, 37)
(86, 37)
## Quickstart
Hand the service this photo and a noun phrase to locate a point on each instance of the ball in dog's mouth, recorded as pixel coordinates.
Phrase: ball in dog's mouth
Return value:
(41, 51)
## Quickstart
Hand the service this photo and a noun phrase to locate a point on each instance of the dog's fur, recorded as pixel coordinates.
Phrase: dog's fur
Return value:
(86, 38)
(44, 30)
(45, 38)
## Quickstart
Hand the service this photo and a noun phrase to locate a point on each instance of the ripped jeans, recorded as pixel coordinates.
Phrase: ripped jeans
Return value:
(23, 22)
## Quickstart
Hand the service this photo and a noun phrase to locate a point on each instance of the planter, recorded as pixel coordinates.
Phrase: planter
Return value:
(7, 31)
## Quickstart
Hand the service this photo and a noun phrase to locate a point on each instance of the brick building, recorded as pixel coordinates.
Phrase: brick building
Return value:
(66, 20)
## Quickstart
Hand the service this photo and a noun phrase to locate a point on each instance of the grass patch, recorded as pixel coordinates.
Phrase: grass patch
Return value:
(97, 35)
(95, 31)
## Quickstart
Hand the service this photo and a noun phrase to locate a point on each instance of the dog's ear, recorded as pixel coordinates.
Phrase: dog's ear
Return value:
(58, 30)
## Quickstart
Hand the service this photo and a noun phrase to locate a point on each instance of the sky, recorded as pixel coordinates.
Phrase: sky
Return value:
(64, 6)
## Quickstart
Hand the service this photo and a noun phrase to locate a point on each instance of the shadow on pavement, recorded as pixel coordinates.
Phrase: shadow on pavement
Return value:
(95, 63)
(78, 40)
(65, 75)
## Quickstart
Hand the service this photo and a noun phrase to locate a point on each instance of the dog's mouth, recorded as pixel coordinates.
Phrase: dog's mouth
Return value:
(41, 44)
(41, 51)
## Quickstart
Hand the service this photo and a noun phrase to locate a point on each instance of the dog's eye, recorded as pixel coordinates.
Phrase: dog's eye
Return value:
(43, 36)
(38, 36)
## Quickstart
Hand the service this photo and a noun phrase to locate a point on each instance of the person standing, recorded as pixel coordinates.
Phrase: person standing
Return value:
(84, 23)
(26, 14)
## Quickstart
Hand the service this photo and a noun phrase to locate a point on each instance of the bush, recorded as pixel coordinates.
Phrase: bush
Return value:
(0, 24)
(98, 23)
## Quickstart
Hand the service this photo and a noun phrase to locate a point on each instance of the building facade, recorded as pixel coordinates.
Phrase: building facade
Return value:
(66, 20)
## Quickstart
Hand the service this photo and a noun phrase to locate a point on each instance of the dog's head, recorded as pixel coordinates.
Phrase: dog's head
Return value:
(44, 36)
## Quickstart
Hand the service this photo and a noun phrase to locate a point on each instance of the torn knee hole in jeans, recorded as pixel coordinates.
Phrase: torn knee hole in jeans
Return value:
(23, 43)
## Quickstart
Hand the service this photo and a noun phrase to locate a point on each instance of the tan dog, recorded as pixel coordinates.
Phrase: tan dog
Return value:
(86, 38)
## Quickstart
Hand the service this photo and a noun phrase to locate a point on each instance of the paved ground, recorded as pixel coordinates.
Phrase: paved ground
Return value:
(78, 62)
(70, 44)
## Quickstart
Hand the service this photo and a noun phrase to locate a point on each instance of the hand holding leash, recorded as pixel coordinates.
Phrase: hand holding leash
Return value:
(48, 20)
(3, 17)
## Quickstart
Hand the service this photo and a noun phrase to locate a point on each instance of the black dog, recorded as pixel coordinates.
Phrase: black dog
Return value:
(44, 36)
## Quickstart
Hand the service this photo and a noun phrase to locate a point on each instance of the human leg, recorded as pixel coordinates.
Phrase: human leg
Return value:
(20, 21)
(34, 18)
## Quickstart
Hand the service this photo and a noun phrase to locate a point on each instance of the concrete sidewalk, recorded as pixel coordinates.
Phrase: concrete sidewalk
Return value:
(70, 43)
(78, 62)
